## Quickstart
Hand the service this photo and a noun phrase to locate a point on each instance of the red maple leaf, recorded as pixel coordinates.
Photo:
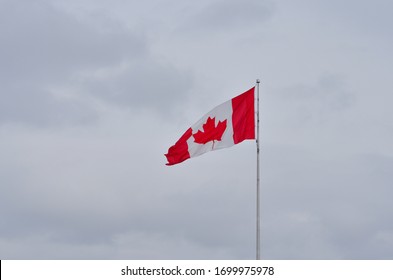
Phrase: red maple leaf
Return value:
(211, 131)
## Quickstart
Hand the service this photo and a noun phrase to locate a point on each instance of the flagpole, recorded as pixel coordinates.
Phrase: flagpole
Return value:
(258, 237)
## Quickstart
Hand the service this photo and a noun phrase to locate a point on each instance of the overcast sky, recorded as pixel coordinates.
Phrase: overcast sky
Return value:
(94, 92)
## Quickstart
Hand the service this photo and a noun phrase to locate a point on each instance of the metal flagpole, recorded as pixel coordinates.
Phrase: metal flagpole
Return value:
(258, 241)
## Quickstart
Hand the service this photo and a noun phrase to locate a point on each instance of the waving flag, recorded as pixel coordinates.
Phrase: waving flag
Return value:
(226, 125)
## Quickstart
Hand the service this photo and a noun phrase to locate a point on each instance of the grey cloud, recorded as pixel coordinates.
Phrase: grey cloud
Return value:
(142, 83)
(102, 191)
(75, 192)
(373, 20)
(42, 47)
(233, 13)
(46, 50)
(221, 16)
(35, 105)
(332, 210)
(318, 103)
(44, 43)
(320, 209)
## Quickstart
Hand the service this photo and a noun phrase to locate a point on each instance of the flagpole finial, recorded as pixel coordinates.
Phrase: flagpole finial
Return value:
(258, 81)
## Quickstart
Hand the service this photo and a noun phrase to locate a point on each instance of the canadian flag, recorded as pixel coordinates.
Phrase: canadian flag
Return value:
(226, 125)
